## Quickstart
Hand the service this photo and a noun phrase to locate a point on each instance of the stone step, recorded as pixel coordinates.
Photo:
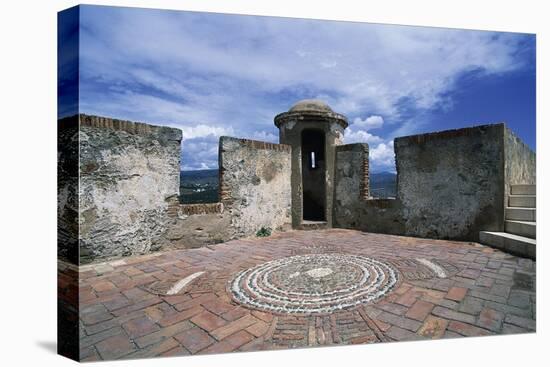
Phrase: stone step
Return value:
(526, 201)
(523, 190)
(514, 244)
(526, 229)
(524, 214)
(312, 225)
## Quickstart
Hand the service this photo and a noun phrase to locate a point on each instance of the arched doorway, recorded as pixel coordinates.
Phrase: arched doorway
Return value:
(313, 175)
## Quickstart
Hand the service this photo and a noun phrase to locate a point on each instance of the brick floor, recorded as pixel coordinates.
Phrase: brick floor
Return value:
(420, 310)
(195, 339)
(491, 293)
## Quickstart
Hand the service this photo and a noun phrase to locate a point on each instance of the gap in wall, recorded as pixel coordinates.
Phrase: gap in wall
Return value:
(383, 182)
(199, 186)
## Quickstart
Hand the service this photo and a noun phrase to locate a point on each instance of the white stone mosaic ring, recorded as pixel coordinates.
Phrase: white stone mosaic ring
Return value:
(313, 284)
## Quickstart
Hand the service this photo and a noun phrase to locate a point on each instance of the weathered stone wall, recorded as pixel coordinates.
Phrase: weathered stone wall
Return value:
(254, 193)
(353, 206)
(67, 189)
(451, 183)
(520, 162)
(450, 186)
(351, 176)
(196, 225)
(129, 172)
(129, 188)
(68, 37)
(255, 185)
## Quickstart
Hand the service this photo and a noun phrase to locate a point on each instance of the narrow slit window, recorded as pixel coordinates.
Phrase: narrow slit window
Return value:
(313, 164)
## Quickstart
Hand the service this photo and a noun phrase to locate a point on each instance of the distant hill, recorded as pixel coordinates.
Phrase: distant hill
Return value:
(199, 186)
(202, 186)
(383, 184)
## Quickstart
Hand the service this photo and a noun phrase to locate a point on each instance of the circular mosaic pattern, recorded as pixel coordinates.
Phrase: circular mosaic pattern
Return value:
(315, 283)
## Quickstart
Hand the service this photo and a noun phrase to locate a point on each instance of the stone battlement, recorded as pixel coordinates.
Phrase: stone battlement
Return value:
(447, 134)
(131, 127)
(257, 144)
(119, 184)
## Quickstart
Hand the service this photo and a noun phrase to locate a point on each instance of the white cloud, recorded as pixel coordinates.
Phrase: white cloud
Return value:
(371, 122)
(199, 131)
(227, 72)
(265, 136)
(206, 147)
(417, 62)
(382, 157)
(360, 136)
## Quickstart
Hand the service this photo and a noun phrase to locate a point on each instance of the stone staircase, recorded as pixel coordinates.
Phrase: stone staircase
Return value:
(520, 224)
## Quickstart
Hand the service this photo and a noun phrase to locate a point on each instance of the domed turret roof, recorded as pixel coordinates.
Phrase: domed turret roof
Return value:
(311, 110)
(310, 105)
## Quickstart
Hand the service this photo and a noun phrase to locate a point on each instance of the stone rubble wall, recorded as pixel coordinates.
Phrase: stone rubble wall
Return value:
(121, 197)
(129, 172)
(254, 193)
(520, 162)
(353, 206)
(127, 201)
(450, 184)
(67, 189)
(196, 225)
(255, 185)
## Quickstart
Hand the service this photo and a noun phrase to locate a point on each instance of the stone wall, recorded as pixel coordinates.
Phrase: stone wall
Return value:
(255, 185)
(351, 176)
(129, 172)
(68, 32)
(353, 206)
(196, 225)
(520, 162)
(67, 189)
(129, 188)
(450, 185)
(254, 193)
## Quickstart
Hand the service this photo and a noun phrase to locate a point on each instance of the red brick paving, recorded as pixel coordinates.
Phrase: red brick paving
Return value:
(258, 329)
(456, 293)
(208, 321)
(433, 327)
(195, 339)
(490, 294)
(234, 326)
(420, 310)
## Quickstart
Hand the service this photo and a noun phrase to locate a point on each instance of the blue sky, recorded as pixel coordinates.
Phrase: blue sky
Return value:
(214, 74)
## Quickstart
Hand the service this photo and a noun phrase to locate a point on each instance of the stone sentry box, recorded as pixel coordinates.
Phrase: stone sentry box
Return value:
(313, 130)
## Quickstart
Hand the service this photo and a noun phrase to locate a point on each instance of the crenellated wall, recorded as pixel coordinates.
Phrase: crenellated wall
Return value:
(129, 172)
(351, 177)
(127, 201)
(67, 189)
(450, 184)
(118, 191)
(254, 193)
(520, 162)
(255, 184)
(353, 206)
